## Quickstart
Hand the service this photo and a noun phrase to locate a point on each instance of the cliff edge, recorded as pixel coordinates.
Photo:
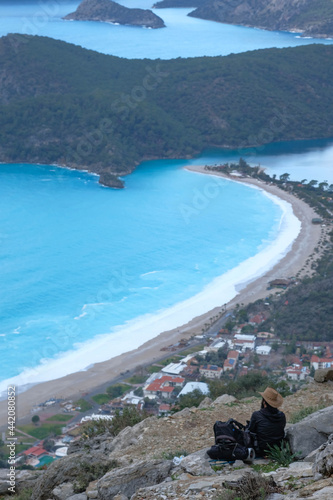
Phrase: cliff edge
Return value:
(111, 12)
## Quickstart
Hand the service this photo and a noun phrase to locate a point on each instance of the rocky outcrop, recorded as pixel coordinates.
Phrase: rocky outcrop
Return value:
(59, 479)
(324, 459)
(309, 17)
(197, 464)
(129, 479)
(110, 180)
(224, 399)
(316, 427)
(111, 12)
(23, 479)
(323, 375)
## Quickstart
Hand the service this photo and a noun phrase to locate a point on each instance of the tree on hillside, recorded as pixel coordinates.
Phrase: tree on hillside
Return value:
(35, 419)
(284, 177)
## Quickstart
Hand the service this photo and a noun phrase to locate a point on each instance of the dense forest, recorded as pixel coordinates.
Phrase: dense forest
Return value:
(63, 104)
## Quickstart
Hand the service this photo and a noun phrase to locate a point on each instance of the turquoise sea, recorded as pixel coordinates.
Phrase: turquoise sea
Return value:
(183, 36)
(88, 272)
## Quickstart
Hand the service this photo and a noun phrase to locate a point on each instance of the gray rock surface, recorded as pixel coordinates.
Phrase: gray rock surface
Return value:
(316, 427)
(129, 479)
(224, 399)
(78, 496)
(205, 403)
(66, 470)
(63, 491)
(129, 436)
(324, 459)
(23, 479)
(197, 464)
(323, 375)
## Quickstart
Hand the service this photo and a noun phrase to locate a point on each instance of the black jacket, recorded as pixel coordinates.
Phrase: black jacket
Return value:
(269, 426)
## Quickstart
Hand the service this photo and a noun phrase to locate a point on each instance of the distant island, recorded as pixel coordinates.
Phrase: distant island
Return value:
(65, 105)
(309, 17)
(111, 12)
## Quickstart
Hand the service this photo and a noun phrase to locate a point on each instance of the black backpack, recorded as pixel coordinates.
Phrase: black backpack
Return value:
(232, 441)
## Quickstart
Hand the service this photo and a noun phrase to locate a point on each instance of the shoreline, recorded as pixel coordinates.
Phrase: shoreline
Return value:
(74, 385)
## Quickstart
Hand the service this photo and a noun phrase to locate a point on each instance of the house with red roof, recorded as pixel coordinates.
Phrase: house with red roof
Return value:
(318, 363)
(35, 452)
(163, 386)
(297, 372)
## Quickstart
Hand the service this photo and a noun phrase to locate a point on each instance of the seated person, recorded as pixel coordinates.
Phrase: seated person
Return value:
(268, 423)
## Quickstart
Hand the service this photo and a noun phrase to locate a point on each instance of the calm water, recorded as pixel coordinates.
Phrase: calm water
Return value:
(79, 260)
(183, 36)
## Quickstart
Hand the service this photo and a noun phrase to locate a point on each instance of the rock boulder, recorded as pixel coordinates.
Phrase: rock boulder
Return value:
(316, 427)
(323, 375)
(324, 459)
(128, 480)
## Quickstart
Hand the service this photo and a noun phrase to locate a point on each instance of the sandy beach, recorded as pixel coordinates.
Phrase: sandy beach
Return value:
(73, 386)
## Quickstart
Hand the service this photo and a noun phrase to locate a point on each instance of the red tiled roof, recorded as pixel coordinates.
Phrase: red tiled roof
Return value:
(165, 407)
(233, 354)
(157, 385)
(166, 389)
(35, 450)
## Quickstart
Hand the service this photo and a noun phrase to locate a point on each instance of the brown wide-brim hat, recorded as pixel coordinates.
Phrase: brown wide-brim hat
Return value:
(272, 397)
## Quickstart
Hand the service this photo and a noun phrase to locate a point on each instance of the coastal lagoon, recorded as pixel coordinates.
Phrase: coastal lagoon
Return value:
(183, 36)
(89, 272)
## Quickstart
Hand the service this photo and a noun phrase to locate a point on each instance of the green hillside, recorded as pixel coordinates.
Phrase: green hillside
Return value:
(63, 104)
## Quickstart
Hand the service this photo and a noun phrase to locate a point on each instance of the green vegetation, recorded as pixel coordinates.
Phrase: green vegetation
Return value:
(83, 405)
(251, 486)
(192, 350)
(117, 390)
(169, 455)
(60, 418)
(136, 379)
(101, 399)
(153, 369)
(282, 455)
(246, 386)
(128, 418)
(304, 412)
(23, 495)
(35, 419)
(188, 400)
(43, 431)
(88, 472)
(75, 107)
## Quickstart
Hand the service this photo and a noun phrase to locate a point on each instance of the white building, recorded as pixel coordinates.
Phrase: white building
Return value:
(297, 372)
(174, 368)
(192, 386)
(263, 350)
(243, 342)
(218, 343)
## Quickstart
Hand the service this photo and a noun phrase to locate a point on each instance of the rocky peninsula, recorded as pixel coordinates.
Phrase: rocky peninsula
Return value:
(111, 12)
(309, 17)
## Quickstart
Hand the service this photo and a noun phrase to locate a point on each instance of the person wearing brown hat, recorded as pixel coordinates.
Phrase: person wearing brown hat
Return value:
(269, 422)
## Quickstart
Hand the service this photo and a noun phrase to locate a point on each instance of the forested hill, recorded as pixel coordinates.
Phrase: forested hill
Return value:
(311, 17)
(63, 104)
